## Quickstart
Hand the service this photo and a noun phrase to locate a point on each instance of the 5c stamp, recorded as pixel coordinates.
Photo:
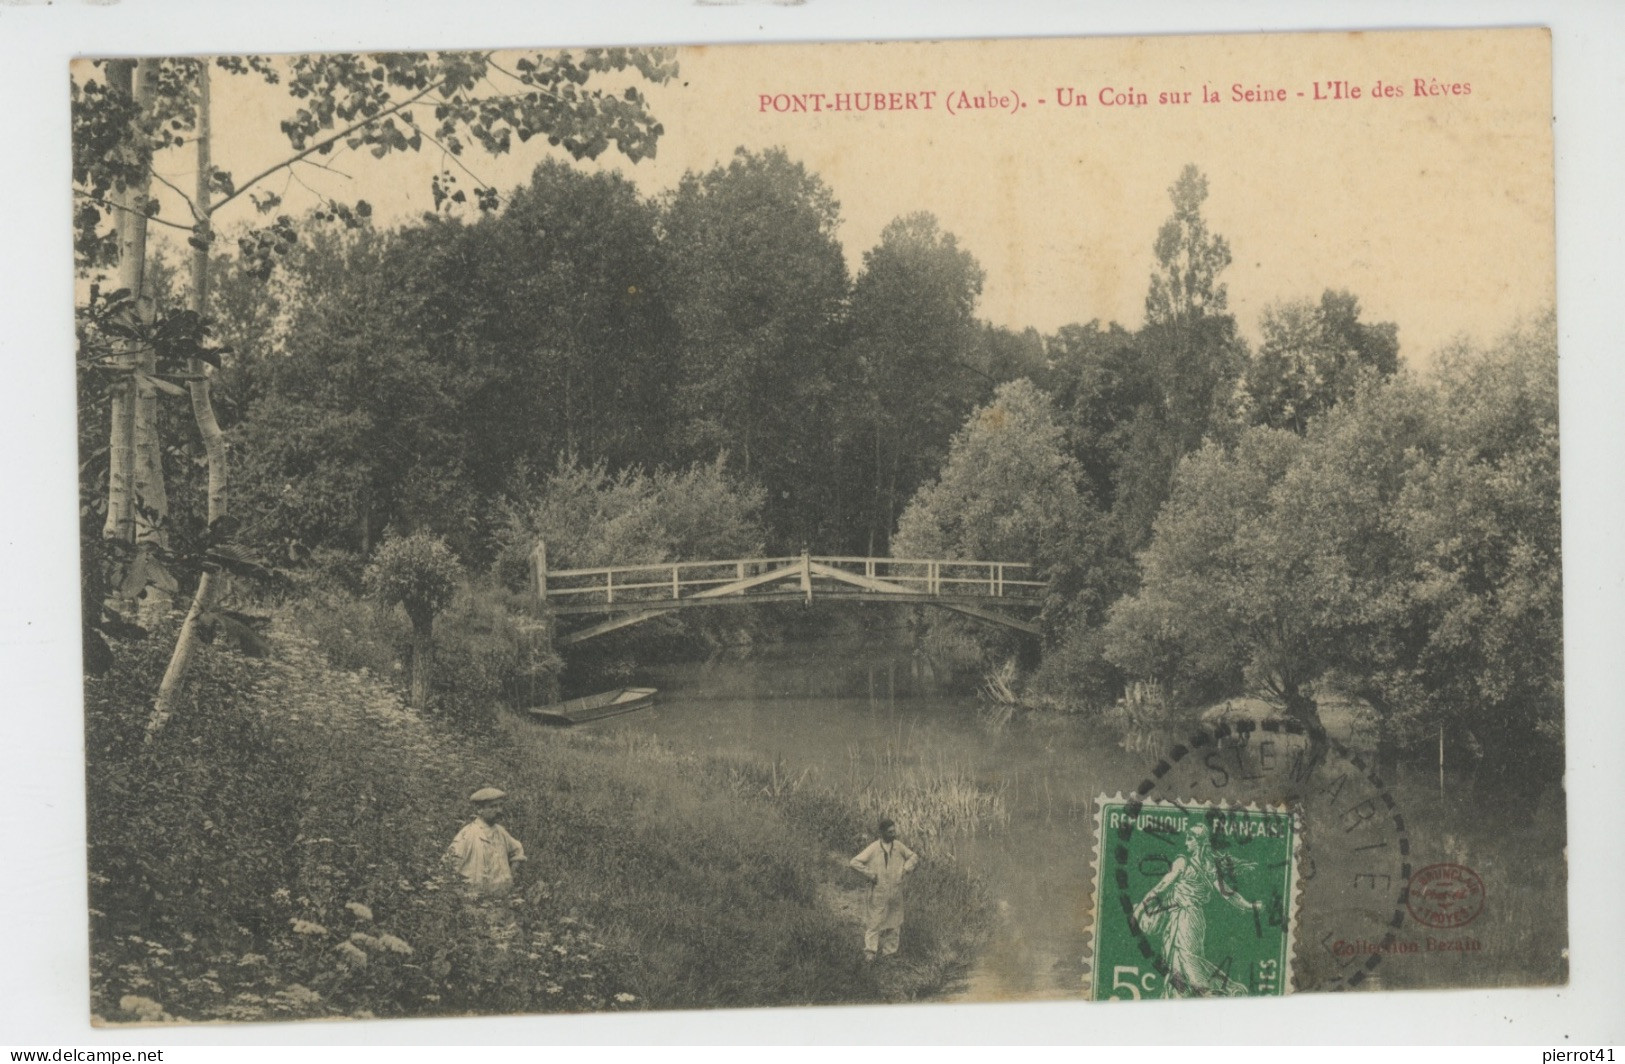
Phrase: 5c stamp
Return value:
(1193, 899)
(1326, 837)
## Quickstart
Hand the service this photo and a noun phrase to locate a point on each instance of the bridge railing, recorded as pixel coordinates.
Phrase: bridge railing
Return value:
(934, 577)
(667, 581)
(653, 582)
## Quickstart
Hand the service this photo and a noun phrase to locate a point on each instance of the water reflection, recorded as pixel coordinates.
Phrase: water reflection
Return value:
(1009, 794)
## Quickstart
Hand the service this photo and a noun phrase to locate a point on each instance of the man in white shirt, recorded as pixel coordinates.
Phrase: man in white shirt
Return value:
(483, 853)
(884, 863)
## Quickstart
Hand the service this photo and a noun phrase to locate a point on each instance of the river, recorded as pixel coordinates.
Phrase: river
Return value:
(849, 715)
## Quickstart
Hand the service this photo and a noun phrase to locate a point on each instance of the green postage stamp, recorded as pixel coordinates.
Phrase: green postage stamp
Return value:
(1193, 900)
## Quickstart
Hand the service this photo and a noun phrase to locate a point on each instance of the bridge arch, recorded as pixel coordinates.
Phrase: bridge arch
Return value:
(998, 593)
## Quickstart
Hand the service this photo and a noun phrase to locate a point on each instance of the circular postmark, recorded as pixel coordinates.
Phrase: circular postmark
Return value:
(1445, 896)
(1190, 905)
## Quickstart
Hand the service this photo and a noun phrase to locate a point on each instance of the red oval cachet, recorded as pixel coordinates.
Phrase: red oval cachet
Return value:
(1445, 895)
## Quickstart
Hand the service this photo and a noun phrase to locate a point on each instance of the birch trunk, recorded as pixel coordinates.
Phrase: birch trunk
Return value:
(214, 441)
(135, 78)
(181, 659)
(148, 500)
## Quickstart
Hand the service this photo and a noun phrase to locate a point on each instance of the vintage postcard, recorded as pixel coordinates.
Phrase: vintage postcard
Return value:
(631, 529)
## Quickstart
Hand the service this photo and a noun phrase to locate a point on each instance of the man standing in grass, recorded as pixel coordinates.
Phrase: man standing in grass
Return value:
(884, 863)
(483, 852)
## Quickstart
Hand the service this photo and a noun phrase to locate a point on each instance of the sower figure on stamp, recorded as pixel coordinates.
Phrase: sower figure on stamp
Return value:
(1174, 914)
(483, 853)
(884, 863)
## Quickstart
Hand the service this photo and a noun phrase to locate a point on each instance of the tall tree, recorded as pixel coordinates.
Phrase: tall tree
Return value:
(1009, 491)
(914, 333)
(1227, 592)
(384, 103)
(1408, 541)
(1185, 285)
(358, 423)
(419, 376)
(1192, 351)
(114, 120)
(757, 284)
(1100, 384)
(1483, 520)
(562, 315)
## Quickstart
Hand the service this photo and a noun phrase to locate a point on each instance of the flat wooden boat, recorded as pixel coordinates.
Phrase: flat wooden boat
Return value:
(596, 707)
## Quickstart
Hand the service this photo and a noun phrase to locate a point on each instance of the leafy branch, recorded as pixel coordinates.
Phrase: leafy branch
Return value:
(82, 194)
(325, 144)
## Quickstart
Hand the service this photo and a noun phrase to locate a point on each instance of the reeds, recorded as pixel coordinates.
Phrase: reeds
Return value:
(1145, 716)
(933, 798)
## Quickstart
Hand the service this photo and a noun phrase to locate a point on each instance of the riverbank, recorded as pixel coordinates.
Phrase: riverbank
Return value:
(276, 854)
(1010, 801)
(725, 876)
(1013, 800)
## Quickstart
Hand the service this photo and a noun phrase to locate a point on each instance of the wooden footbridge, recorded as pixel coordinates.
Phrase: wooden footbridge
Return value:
(994, 592)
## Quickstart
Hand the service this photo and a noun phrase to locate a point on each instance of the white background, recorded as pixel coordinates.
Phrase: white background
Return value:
(43, 944)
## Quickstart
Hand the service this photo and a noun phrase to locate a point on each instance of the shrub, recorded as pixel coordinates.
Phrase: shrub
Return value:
(419, 572)
(1075, 675)
(181, 833)
(337, 569)
(958, 649)
(589, 517)
(490, 650)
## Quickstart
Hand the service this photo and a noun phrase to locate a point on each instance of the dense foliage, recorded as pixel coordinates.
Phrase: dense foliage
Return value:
(1406, 547)
(1010, 490)
(633, 380)
(588, 516)
(418, 571)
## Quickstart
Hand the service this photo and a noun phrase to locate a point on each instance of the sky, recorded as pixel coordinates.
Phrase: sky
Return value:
(1436, 211)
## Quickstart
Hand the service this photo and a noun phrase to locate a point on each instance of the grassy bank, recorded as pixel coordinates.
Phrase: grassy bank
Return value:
(276, 854)
(726, 879)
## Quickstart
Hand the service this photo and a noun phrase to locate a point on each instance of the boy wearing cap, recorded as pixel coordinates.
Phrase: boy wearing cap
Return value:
(884, 863)
(483, 852)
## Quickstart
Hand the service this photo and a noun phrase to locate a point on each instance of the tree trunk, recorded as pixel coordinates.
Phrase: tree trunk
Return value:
(214, 441)
(201, 386)
(1303, 709)
(148, 500)
(422, 652)
(569, 412)
(181, 659)
(1387, 752)
(889, 514)
(151, 500)
(136, 78)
